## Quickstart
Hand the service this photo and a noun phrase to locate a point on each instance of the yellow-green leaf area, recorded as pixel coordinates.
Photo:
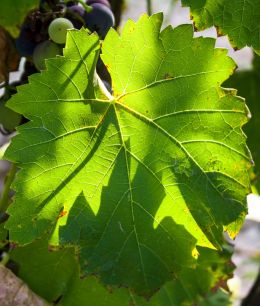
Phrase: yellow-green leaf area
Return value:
(137, 180)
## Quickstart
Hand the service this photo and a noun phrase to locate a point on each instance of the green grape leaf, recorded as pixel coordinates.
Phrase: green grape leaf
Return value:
(135, 181)
(36, 261)
(9, 119)
(47, 273)
(12, 14)
(89, 289)
(212, 272)
(247, 83)
(40, 266)
(211, 268)
(218, 298)
(239, 19)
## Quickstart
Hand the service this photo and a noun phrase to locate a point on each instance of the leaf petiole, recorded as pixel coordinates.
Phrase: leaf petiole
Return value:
(149, 7)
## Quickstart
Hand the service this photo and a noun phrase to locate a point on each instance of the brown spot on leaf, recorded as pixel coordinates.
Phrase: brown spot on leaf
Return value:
(196, 29)
(219, 32)
(167, 76)
(63, 213)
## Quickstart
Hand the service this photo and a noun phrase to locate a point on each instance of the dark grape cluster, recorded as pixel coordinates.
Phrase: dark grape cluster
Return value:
(43, 33)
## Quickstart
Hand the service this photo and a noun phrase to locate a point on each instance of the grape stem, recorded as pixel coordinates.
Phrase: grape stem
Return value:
(87, 8)
(4, 200)
(149, 7)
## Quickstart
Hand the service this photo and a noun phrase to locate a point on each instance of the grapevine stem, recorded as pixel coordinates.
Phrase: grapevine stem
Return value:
(4, 200)
(149, 7)
(87, 8)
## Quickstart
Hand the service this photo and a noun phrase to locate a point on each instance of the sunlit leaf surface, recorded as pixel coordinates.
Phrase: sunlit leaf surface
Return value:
(137, 180)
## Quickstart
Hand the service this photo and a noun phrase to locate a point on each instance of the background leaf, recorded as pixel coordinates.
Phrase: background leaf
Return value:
(211, 274)
(40, 267)
(161, 166)
(239, 19)
(247, 83)
(12, 13)
(47, 272)
(9, 120)
(219, 298)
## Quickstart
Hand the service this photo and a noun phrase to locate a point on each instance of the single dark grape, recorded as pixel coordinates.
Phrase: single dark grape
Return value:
(58, 29)
(45, 50)
(100, 19)
(77, 9)
(76, 15)
(24, 42)
(104, 2)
